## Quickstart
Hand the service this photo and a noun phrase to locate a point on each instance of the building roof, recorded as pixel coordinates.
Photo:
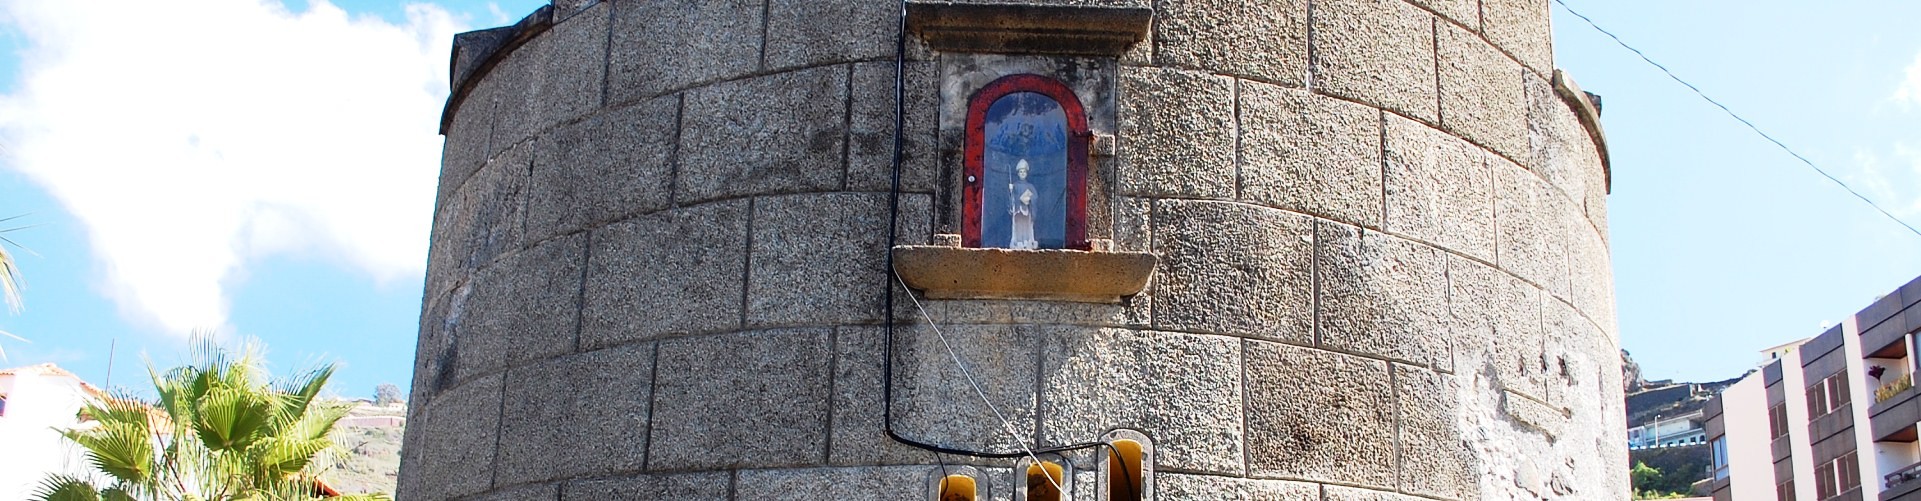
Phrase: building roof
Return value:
(49, 369)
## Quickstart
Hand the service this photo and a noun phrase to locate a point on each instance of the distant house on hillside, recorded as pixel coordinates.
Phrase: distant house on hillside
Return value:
(35, 402)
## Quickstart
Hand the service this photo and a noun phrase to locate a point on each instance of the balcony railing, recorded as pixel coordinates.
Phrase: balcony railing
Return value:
(1893, 388)
(1904, 475)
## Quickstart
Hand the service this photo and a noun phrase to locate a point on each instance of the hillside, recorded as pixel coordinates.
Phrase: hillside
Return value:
(369, 457)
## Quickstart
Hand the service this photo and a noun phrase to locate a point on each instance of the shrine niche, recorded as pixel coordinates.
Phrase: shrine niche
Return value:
(1025, 180)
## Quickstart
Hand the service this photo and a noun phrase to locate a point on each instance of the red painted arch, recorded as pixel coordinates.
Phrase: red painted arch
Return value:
(1077, 149)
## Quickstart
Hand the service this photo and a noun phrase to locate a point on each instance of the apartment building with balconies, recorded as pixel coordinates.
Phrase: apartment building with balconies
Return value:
(1836, 414)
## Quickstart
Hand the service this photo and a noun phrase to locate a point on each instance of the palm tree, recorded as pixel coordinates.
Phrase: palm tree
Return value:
(9, 279)
(218, 432)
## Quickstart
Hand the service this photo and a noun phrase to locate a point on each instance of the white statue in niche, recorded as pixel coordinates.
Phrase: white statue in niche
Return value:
(1021, 207)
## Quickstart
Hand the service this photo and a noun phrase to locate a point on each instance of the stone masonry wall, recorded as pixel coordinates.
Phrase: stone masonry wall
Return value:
(656, 268)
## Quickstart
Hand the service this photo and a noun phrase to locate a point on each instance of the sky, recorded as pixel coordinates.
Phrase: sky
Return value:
(260, 169)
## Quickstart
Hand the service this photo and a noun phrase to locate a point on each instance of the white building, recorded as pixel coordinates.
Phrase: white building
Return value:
(35, 402)
(1833, 417)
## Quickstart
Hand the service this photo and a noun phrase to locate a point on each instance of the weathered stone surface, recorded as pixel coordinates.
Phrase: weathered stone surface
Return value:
(823, 32)
(1261, 40)
(891, 483)
(668, 45)
(818, 258)
(702, 486)
(1496, 322)
(1465, 12)
(1439, 189)
(1213, 488)
(744, 400)
(486, 219)
(1185, 387)
(1343, 493)
(521, 492)
(1482, 95)
(1383, 296)
(1591, 280)
(1178, 130)
(1530, 222)
(1132, 312)
(573, 65)
(1310, 154)
(466, 148)
(1379, 52)
(1134, 224)
(455, 440)
(606, 168)
(525, 307)
(858, 435)
(676, 272)
(583, 414)
(1557, 142)
(933, 401)
(433, 352)
(870, 147)
(564, 9)
(1318, 415)
(1434, 459)
(1213, 250)
(779, 133)
(517, 98)
(1520, 27)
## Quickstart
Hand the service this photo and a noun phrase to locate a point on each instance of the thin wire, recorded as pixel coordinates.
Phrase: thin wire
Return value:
(1737, 117)
(1006, 425)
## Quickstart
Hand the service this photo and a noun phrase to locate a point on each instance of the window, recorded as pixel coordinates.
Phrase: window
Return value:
(1835, 477)
(1784, 491)
(1778, 420)
(1025, 179)
(1827, 395)
(1720, 451)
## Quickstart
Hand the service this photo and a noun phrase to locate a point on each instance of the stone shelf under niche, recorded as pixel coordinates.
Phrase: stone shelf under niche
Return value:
(1086, 276)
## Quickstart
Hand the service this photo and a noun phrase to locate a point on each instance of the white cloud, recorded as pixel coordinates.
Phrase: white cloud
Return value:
(193, 138)
(1909, 93)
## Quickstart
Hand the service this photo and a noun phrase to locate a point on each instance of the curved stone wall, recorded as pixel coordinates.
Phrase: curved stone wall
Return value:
(658, 250)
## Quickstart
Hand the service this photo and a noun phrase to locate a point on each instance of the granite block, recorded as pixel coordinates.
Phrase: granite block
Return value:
(818, 258)
(1383, 296)
(609, 167)
(1319, 416)
(1434, 460)
(1265, 41)
(870, 147)
(1310, 154)
(1379, 52)
(1216, 488)
(829, 31)
(674, 272)
(779, 133)
(1521, 28)
(1496, 322)
(934, 401)
(1178, 130)
(653, 42)
(584, 414)
(1186, 388)
(525, 307)
(890, 483)
(1483, 98)
(1439, 189)
(1234, 269)
(1531, 226)
(754, 399)
(456, 442)
(573, 66)
(697, 486)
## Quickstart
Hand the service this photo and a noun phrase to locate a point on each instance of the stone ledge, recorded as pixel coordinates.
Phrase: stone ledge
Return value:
(1588, 111)
(942, 272)
(476, 53)
(1029, 28)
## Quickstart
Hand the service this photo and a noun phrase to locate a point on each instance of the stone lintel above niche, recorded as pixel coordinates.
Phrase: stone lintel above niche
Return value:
(1017, 28)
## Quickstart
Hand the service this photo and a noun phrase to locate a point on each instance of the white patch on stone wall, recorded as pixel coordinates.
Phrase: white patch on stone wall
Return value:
(194, 138)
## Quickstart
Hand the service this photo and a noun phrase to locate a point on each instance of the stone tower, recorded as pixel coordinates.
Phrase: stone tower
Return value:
(1292, 249)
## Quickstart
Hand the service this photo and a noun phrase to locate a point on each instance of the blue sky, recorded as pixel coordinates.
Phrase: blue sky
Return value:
(173, 175)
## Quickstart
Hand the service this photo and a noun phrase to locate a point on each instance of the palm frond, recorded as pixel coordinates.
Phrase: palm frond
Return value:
(122, 450)
(59, 487)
